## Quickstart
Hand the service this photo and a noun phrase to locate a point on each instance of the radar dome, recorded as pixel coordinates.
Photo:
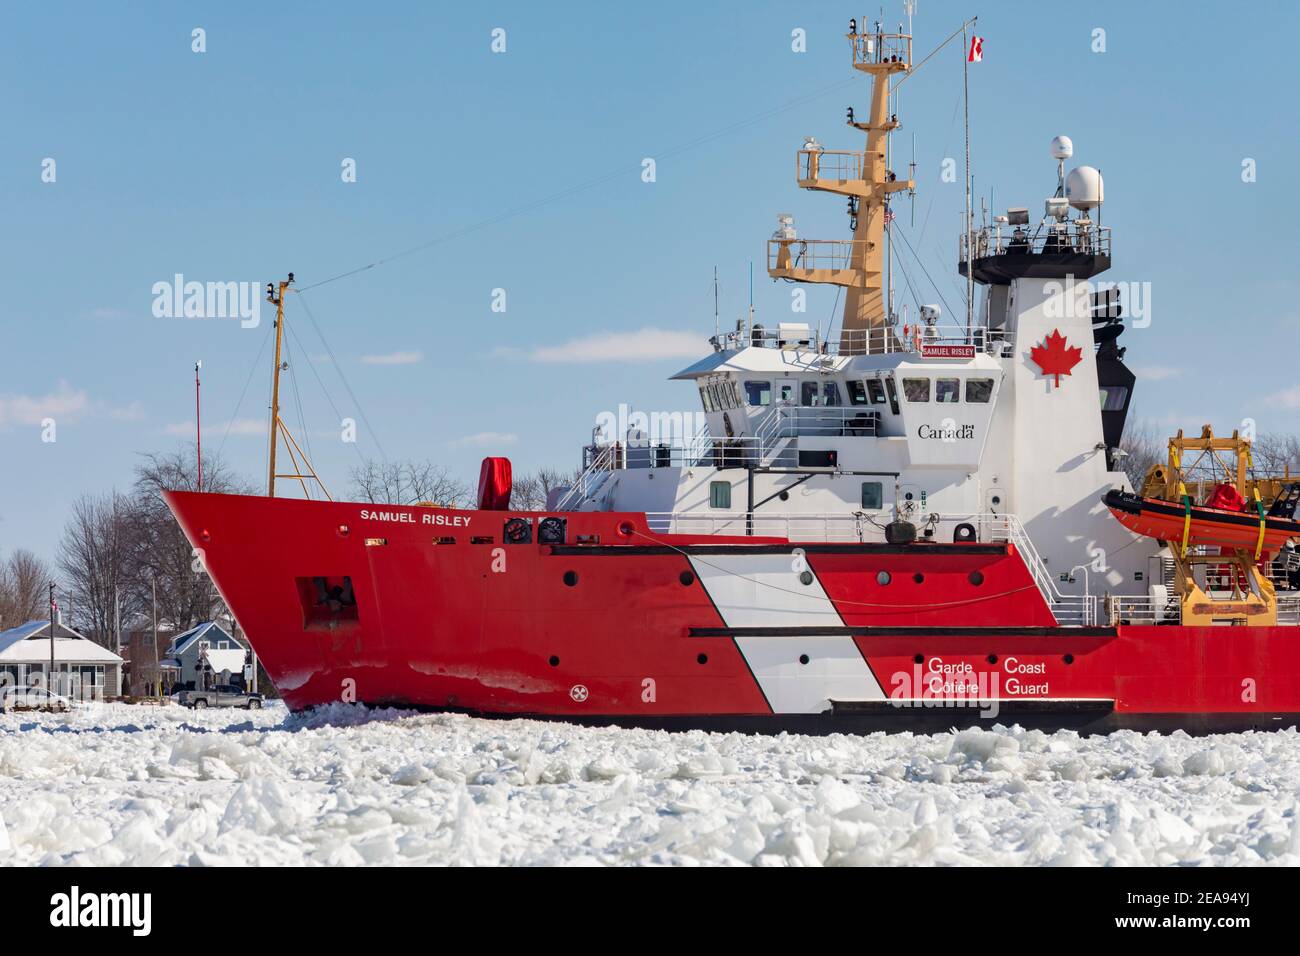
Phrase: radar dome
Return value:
(1062, 148)
(1084, 188)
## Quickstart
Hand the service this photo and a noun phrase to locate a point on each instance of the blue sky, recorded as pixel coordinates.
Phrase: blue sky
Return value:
(225, 166)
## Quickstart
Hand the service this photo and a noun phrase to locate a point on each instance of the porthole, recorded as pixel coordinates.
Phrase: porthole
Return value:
(554, 661)
(976, 578)
(1069, 658)
(918, 577)
(803, 658)
(686, 578)
(883, 578)
(992, 658)
(785, 496)
(571, 578)
(918, 659)
(806, 577)
(702, 659)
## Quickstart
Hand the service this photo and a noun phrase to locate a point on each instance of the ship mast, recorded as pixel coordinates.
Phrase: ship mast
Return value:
(857, 265)
(302, 468)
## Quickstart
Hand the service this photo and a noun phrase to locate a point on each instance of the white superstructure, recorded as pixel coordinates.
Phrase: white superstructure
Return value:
(1008, 427)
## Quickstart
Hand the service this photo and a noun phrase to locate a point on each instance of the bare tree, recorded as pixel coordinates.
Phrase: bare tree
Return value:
(23, 581)
(407, 483)
(95, 556)
(1276, 455)
(160, 552)
(1145, 446)
(530, 490)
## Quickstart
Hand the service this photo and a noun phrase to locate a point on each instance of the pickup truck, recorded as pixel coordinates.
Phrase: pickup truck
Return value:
(223, 695)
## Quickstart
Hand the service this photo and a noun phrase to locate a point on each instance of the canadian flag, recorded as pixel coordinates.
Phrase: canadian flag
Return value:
(976, 53)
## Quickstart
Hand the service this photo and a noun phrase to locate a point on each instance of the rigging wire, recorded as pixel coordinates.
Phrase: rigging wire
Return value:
(297, 399)
(588, 184)
(248, 381)
(374, 436)
(324, 391)
(937, 292)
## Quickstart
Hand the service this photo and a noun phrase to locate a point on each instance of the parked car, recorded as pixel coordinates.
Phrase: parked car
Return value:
(24, 697)
(223, 695)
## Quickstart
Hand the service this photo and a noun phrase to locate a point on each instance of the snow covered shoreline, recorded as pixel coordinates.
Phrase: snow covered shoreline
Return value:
(121, 785)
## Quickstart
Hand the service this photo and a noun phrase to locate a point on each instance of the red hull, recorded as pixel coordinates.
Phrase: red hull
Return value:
(624, 625)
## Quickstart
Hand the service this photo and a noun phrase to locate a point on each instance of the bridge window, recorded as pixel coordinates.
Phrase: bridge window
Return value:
(830, 394)
(979, 391)
(947, 390)
(759, 393)
(808, 394)
(876, 391)
(857, 392)
(706, 398)
(719, 494)
(1112, 398)
(873, 496)
(916, 389)
(786, 393)
(893, 394)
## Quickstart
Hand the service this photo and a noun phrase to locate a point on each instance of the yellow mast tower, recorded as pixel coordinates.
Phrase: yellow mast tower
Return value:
(302, 467)
(858, 264)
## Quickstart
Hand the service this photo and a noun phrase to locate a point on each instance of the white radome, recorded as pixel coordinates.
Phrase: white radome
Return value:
(1084, 188)
(1062, 147)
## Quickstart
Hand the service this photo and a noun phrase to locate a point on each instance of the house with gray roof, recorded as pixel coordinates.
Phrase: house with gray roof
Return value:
(206, 652)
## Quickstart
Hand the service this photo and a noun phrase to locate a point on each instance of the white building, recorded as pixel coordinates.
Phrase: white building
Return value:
(83, 669)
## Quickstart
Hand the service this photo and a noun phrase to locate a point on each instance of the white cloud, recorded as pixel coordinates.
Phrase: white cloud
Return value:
(63, 404)
(484, 439)
(393, 358)
(240, 426)
(1157, 373)
(1287, 398)
(644, 345)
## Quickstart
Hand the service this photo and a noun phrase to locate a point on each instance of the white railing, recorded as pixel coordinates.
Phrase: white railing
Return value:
(1288, 609)
(1163, 610)
(824, 164)
(602, 462)
(917, 338)
(1051, 238)
(1142, 609)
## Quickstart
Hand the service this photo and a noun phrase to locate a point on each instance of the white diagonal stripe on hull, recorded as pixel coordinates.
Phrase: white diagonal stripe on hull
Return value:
(764, 590)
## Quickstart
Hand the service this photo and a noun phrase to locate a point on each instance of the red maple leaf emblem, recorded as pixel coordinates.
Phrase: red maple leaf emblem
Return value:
(1053, 358)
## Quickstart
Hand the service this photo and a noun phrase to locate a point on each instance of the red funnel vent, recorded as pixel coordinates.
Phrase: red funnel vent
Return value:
(494, 484)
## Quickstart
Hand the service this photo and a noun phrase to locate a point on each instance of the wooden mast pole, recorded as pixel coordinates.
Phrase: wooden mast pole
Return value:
(276, 298)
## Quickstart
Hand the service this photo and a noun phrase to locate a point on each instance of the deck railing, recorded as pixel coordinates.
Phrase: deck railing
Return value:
(913, 337)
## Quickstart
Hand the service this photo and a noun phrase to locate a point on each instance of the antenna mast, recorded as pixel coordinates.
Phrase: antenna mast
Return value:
(863, 265)
(302, 469)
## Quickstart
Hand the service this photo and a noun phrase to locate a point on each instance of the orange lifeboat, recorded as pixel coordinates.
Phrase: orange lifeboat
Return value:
(1192, 524)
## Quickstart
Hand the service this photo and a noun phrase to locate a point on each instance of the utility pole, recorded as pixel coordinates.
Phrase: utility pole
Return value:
(54, 606)
(157, 665)
(198, 422)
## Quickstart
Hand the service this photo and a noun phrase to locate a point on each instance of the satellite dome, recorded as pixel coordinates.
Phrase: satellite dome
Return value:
(1084, 188)
(1062, 147)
